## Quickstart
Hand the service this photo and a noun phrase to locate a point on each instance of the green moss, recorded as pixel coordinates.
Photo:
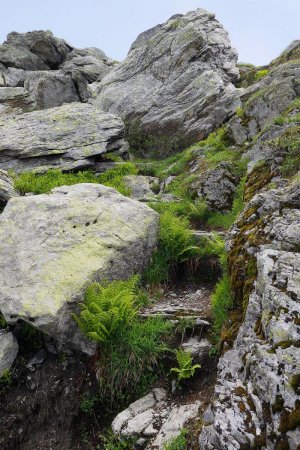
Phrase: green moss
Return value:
(290, 420)
(278, 404)
(295, 383)
(260, 177)
(3, 323)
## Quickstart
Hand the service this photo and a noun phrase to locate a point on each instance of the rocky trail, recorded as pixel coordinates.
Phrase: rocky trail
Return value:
(149, 225)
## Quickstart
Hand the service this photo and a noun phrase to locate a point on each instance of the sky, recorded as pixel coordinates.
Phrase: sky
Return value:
(259, 29)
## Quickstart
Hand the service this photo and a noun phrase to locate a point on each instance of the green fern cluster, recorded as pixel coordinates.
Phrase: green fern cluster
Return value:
(130, 347)
(186, 368)
(108, 309)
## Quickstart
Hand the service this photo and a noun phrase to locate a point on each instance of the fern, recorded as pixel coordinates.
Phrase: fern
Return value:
(109, 308)
(186, 368)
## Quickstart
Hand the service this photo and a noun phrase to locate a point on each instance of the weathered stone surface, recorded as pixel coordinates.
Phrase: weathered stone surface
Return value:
(48, 51)
(86, 66)
(153, 419)
(176, 79)
(176, 420)
(15, 100)
(256, 390)
(8, 351)
(7, 190)
(266, 100)
(199, 348)
(142, 187)
(217, 187)
(50, 88)
(66, 137)
(53, 246)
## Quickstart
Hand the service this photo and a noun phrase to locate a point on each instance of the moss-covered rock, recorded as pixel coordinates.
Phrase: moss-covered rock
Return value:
(53, 246)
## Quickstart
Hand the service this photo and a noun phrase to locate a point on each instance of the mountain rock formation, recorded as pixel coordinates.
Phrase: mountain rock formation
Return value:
(76, 109)
(176, 82)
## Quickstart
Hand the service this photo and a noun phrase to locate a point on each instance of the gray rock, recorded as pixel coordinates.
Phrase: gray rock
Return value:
(53, 246)
(50, 88)
(15, 100)
(7, 190)
(153, 419)
(176, 80)
(217, 187)
(67, 137)
(48, 50)
(176, 420)
(141, 187)
(8, 351)
(255, 389)
(87, 66)
(199, 348)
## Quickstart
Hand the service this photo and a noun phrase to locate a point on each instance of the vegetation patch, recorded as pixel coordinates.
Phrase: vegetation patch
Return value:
(178, 443)
(130, 349)
(41, 184)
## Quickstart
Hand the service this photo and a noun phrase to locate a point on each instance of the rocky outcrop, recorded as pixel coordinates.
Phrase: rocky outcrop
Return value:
(8, 351)
(7, 190)
(50, 70)
(68, 137)
(175, 86)
(257, 392)
(53, 246)
(153, 420)
(267, 99)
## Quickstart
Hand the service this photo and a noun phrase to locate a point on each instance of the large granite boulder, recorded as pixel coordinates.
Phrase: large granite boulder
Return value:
(217, 187)
(175, 86)
(67, 137)
(267, 99)
(50, 88)
(15, 100)
(53, 246)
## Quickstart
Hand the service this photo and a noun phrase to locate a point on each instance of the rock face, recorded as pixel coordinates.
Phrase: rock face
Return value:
(176, 80)
(68, 137)
(53, 246)
(8, 351)
(50, 88)
(257, 392)
(154, 420)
